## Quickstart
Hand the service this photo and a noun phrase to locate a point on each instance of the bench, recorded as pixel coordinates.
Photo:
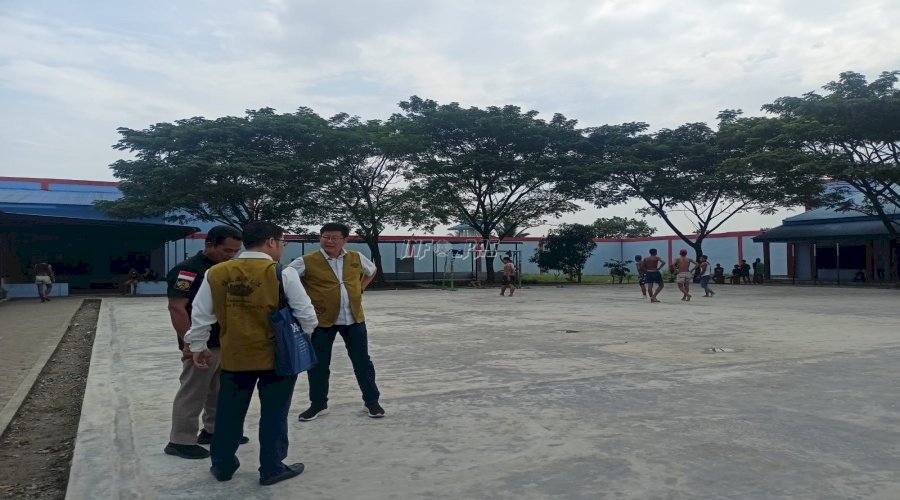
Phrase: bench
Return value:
(107, 284)
(29, 290)
(152, 287)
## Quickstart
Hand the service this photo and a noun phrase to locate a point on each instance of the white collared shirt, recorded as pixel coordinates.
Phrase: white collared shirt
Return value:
(345, 317)
(203, 315)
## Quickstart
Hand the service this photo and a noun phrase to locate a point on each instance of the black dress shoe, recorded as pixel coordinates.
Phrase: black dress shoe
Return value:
(289, 471)
(189, 451)
(206, 438)
(221, 475)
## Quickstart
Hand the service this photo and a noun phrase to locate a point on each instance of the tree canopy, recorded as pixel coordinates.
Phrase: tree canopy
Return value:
(851, 134)
(501, 170)
(363, 175)
(694, 178)
(621, 227)
(231, 170)
(490, 167)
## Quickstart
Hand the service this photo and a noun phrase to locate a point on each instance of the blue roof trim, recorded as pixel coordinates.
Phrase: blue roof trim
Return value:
(82, 212)
(29, 197)
(31, 186)
(82, 188)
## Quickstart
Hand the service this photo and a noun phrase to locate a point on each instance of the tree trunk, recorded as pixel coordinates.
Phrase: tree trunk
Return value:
(372, 242)
(698, 248)
(488, 260)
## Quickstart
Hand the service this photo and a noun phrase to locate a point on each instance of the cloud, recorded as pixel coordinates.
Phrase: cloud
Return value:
(71, 73)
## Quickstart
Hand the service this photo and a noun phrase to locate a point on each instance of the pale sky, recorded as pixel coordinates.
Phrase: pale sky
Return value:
(72, 72)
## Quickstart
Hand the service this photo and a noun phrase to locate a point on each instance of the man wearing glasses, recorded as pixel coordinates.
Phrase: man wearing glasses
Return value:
(335, 279)
(240, 295)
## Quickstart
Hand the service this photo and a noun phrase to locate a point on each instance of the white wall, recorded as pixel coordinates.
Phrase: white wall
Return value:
(723, 250)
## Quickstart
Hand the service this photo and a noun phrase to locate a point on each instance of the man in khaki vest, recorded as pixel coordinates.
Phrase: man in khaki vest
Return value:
(240, 295)
(335, 279)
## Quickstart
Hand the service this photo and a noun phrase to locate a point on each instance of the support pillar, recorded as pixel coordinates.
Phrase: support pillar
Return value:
(837, 255)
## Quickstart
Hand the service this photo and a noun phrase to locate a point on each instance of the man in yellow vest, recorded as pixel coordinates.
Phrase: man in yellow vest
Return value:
(335, 279)
(240, 295)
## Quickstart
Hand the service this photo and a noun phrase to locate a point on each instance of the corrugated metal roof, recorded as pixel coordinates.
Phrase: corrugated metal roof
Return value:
(68, 212)
(825, 213)
(63, 205)
(855, 230)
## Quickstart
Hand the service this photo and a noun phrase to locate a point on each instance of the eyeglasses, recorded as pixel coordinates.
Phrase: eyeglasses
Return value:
(331, 238)
(279, 239)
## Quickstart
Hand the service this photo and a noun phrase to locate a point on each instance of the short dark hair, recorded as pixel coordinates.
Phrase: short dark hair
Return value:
(652, 251)
(704, 257)
(336, 226)
(637, 257)
(256, 233)
(218, 234)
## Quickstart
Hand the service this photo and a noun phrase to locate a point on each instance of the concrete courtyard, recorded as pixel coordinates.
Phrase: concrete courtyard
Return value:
(575, 392)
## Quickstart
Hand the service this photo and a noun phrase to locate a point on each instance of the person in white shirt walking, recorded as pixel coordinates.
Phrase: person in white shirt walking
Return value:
(335, 279)
(705, 275)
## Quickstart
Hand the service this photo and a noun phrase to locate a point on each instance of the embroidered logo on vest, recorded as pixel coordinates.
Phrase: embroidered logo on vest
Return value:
(241, 287)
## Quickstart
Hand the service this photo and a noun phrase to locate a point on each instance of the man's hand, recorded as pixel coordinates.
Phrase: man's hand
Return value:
(186, 352)
(202, 358)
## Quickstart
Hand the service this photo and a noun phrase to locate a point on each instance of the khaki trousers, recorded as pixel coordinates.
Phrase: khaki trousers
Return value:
(199, 392)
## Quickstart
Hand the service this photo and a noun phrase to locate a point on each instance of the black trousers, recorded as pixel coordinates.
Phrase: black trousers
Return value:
(235, 391)
(356, 340)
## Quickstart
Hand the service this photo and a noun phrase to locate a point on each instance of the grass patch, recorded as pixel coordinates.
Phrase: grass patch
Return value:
(537, 279)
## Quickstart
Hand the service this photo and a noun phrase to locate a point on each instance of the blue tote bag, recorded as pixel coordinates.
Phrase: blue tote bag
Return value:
(293, 348)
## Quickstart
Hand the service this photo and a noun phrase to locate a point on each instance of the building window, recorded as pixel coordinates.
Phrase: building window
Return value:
(852, 257)
(405, 265)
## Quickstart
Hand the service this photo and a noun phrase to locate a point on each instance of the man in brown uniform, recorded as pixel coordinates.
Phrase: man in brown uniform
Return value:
(198, 389)
(684, 274)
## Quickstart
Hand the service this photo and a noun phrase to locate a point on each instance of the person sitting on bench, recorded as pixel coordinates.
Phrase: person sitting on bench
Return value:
(736, 275)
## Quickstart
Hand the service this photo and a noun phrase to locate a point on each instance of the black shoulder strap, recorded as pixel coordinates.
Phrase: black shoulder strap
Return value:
(282, 298)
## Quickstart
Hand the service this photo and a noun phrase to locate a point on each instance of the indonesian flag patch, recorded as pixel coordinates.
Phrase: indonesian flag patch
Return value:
(185, 280)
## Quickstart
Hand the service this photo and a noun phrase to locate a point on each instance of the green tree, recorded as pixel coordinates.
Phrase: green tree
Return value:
(365, 167)
(622, 227)
(694, 174)
(231, 170)
(566, 249)
(506, 229)
(617, 269)
(493, 166)
(851, 134)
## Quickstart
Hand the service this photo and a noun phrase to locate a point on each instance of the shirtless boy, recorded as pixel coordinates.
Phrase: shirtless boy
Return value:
(684, 273)
(652, 265)
(509, 277)
(641, 272)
